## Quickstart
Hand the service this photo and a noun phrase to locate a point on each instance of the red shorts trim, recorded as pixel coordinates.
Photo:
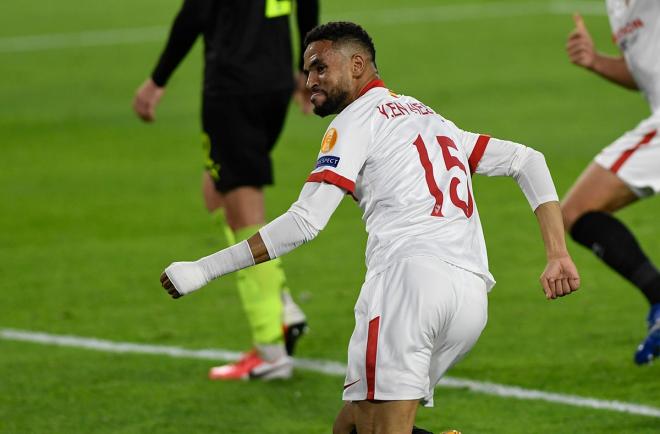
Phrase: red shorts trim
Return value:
(372, 351)
(628, 152)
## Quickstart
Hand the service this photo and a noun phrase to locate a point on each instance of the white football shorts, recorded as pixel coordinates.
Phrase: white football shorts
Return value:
(413, 321)
(635, 157)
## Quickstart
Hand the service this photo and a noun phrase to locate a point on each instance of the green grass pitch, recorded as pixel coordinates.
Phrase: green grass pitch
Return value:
(94, 204)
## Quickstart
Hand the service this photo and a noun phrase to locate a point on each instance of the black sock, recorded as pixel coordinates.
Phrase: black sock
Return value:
(612, 242)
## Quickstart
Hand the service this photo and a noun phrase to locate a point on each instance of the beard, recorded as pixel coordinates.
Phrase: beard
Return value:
(335, 101)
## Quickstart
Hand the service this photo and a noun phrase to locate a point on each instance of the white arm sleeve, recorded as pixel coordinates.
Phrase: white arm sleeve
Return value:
(301, 223)
(526, 165)
(533, 176)
(304, 220)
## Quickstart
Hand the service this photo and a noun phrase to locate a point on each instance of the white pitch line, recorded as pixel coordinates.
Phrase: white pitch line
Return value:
(324, 367)
(472, 11)
(429, 14)
(97, 38)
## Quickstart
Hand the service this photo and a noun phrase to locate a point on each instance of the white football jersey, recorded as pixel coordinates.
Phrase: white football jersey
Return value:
(410, 171)
(636, 30)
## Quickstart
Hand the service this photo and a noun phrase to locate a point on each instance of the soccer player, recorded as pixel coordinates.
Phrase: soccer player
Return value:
(628, 169)
(424, 300)
(248, 82)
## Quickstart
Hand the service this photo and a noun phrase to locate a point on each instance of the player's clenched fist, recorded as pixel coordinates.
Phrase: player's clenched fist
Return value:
(560, 277)
(181, 278)
(580, 46)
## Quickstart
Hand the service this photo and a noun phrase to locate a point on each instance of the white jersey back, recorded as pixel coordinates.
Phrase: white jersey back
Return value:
(636, 30)
(410, 170)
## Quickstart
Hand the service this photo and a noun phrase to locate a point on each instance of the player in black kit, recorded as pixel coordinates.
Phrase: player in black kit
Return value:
(248, 82)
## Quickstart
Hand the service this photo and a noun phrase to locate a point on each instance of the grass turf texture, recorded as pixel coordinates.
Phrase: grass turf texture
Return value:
(95, 204)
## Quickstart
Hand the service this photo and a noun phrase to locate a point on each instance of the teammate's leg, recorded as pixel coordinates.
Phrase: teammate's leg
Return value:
(597, 189)
(587, 215)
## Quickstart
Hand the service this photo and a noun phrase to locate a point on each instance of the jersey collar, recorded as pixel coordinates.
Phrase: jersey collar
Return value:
(377, 82)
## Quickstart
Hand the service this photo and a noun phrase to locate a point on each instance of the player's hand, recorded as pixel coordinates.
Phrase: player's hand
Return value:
(580, 46)
(560, 277)
(146, 99)
(302, 95)
(182, 278)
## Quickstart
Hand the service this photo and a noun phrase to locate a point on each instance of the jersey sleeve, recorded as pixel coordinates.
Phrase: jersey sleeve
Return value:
(475, 147)
(495, 157)
(303, 221)
(343, 152)
(185, 29)
(490, 156)
(307, 17)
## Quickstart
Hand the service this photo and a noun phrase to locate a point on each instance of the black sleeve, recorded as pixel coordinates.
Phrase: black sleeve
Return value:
(307, 15)
(187, 25)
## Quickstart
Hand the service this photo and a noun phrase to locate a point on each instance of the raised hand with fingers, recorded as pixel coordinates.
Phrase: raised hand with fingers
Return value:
(580, 45)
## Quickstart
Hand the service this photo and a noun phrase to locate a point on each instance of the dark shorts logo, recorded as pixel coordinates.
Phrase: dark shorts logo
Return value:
(328, 160)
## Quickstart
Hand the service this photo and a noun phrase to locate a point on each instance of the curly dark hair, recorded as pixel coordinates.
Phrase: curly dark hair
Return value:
(340, 32)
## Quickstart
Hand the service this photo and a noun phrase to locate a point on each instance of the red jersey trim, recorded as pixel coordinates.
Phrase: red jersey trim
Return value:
(373, 83)
(478, 152)
(628, 152)
(333, 178)
(372, 352)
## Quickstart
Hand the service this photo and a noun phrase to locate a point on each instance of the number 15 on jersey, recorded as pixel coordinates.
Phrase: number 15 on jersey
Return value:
(451, 161)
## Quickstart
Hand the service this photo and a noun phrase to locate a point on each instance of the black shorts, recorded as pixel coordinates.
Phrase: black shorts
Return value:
(240, 131)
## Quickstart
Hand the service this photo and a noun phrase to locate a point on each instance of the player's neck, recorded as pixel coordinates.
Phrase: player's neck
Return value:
(364, 85)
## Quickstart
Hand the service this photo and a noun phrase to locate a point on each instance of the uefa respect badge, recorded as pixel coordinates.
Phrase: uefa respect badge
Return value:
(329, 140)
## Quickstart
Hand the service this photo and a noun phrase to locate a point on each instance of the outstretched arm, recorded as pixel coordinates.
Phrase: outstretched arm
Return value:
(300, 224)
(495, 157)
(187, 26)
(531, 172)
(581, 51)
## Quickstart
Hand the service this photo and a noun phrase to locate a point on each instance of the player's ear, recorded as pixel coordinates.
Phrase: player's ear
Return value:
(358, 65)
